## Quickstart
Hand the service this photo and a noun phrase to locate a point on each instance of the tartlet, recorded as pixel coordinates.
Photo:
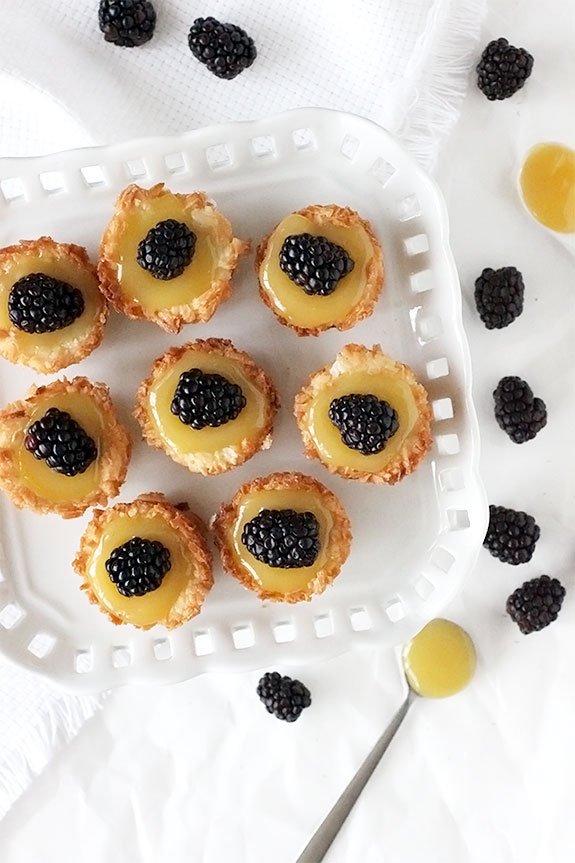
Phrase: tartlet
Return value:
(350, 298)
(293, 494)
(184, 580)
(375, 378)
(96, 460)
(57, 282)
(167, 257)
(224, 372)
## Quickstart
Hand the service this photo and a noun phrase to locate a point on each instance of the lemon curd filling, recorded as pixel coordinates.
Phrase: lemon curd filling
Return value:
(140, 286)
(326, 436)
(44, 344)
(179, 438)
(156, 605)
(548, 186)
(440, 660)
(272, 578)
(43, 480)
(291, 301)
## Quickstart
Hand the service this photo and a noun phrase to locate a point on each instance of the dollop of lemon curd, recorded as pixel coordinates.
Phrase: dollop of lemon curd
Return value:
(440, 660)
(547, 183)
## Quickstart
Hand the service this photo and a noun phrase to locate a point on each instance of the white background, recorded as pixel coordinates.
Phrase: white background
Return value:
(169, 775)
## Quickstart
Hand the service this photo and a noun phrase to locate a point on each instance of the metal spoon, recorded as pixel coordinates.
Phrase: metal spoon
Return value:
(320, 842)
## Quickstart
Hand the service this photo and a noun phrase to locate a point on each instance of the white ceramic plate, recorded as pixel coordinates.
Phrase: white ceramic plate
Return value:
(413, 543)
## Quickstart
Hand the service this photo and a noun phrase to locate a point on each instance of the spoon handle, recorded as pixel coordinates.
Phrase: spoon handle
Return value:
(320, 842)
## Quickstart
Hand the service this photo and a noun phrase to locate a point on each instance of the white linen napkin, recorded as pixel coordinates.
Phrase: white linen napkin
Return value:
(403, 63)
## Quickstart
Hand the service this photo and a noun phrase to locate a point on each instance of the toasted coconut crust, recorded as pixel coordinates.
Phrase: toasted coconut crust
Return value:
(113, 457)
(353, 358)
(200, 308)
(331, 214)
(231, 456)
(81, 346)
(339, 539)
(191, 531)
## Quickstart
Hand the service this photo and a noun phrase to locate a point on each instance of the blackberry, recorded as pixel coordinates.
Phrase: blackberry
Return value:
(61, 442)
(283, 538)
(40, 304)
(314, 263)
(138, 566)
(511, 535)
(224, 48)
(517, 411)
(127, 23)
(167, 249)
(536, 603)
(499, 296)
(204, 399)
(365, 422)
(503, 69)
(282, 696)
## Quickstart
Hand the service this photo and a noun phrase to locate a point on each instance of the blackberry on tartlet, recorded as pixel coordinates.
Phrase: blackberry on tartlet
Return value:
(167, 249)
(127, 23)
(61, 442)
(536, 604)
(138, 566)
(52, 312)
(365, 423)
(503, 69)
(499, 296)
(511, 535)
(314, 263)
(207, 405)
(518, 412)
(224, 49)
(283, 538)
(282, 696)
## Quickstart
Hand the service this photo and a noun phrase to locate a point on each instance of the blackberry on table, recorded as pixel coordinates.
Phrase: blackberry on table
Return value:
(511, 535)
(503, 69)
(536, 604)
(61, 442)
(225, 49)
(283, 538)
(138, 566)
(518, 412)
(282, 696)
(366, 423)
(40, 304)
(314, 263)
(206, 399)
(167, 249)
(499, 296)
(127, 23)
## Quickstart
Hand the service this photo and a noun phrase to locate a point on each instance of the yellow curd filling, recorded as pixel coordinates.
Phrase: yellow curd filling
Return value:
(440, 660)
(548, 186)
(326, 436)
(273, 578)
(180, 438)
(291, 301)
(138, 284)
(43, 480)
(44, 344)
(156, 605)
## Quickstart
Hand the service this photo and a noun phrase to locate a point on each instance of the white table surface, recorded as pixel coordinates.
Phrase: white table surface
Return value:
(167, 774)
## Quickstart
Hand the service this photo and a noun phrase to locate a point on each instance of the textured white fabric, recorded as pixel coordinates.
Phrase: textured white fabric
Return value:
(402, 63)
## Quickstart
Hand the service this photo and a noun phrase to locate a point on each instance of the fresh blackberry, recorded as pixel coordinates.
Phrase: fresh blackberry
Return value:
(517, 411)
(61, 442)
(127, 23)
(365, 422)
(536, 603)
(167, 249)
(511, 535)
(224, 48)
(282, 696)
(314, 263)
(37, 303)
(503, 69)
(499, 296)
(205, 399)
(138, 566)
(283, 538)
